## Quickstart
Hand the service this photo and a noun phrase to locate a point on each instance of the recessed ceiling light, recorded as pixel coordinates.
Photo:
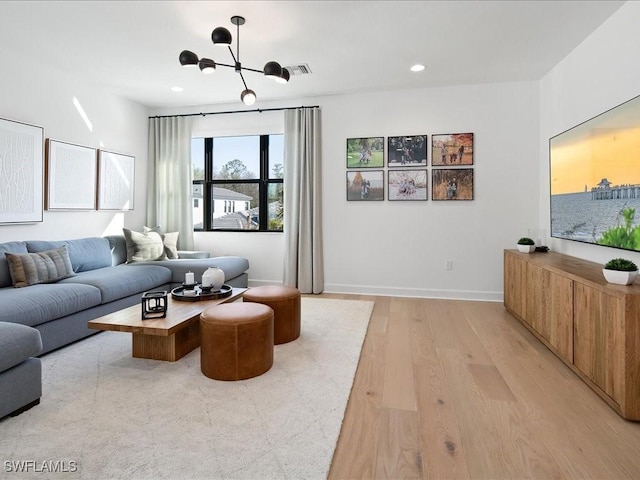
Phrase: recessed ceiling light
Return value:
(417, 68)
(177, 89)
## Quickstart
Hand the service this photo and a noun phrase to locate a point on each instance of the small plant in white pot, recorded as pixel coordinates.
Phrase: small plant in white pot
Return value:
(526, 245)
(620, 271)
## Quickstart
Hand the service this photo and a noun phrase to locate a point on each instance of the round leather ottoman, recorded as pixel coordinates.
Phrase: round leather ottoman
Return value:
(285, 302)
(236, 340)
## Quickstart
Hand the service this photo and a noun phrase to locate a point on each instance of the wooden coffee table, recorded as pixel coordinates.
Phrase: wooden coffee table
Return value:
(169, 338)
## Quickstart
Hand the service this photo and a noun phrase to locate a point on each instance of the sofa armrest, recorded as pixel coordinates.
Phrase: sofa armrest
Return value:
(193, 254)
(17, 343)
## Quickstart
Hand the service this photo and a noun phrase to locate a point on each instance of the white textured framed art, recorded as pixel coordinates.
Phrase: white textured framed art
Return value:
(21, 172)
(72, 176)
(115, 181)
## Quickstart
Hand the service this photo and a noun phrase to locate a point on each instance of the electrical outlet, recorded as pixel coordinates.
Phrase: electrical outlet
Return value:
(449, 265)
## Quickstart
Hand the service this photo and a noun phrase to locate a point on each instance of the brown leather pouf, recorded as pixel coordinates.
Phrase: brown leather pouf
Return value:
(236, 340)
(285, 302)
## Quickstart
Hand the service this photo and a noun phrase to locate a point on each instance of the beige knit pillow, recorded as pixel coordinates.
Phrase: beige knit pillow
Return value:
(143, 247)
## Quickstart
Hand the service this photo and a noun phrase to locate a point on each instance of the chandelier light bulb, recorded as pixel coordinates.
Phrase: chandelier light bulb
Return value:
(188, 59)
(207, 66)
(248, 97)
(272, 70)
(284, 78)
(221, 37)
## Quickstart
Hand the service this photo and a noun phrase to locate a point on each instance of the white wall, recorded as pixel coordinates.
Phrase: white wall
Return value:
(599, 74)
(40, 95)
(400, 248)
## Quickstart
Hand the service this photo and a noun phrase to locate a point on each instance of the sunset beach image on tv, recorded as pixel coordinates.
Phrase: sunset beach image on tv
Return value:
(595, 179)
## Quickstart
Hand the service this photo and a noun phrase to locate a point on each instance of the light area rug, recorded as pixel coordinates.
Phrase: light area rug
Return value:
(118, 417)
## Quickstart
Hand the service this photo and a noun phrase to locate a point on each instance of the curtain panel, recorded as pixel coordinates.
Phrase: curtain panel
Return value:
(303, 267)
(169, 189)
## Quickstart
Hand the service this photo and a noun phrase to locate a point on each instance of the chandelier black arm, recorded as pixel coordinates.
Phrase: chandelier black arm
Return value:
(224, 65)
(238, 67)
(243, 68)
(245, 83)
(235, 60)
(253, 70)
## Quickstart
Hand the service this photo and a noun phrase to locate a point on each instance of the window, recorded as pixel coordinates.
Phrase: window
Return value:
(238, 183)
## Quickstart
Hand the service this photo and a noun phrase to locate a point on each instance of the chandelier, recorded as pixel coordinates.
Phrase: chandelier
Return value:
(222, 37)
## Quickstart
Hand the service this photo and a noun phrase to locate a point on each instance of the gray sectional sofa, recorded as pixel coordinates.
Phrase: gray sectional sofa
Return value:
(101, 282)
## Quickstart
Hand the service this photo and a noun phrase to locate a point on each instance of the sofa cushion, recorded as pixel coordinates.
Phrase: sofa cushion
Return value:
(34, 246)
(45, 302)
(42, 267)
(14, 247)
(143, 247)
(231, 266)
(170, 240)
(193, 254)
(17, 343)
(85, 253)
(118, 246)
(118, 282)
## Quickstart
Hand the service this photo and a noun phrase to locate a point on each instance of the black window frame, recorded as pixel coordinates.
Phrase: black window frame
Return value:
(263, 183)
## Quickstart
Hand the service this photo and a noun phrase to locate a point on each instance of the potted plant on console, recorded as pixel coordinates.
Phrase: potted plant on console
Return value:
(620, 271)
(526, 245)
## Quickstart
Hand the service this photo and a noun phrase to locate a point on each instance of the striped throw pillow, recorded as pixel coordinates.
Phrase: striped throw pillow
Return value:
(41, 267)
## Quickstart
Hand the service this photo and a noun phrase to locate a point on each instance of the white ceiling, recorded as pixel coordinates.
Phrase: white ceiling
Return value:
(132, 47)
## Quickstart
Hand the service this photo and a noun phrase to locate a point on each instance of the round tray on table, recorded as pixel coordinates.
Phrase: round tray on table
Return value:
(196, 294)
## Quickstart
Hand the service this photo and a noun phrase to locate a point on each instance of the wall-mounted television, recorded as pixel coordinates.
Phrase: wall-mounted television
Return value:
(595, 179)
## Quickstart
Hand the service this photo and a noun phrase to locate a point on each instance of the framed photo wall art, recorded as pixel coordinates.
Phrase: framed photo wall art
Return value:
(115, 181)
(72, 174)
(365, 152)
(407, 151)
(452, 184)
(365, 185)
(407, 184)
(452, 149)
(22, 167)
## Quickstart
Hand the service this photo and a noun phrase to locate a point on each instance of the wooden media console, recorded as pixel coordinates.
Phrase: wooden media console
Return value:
(592, 325)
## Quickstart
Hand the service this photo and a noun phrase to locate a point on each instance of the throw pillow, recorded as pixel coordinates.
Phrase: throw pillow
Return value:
(41, 267)
(157, 229)
(143, 247)
(170, 241)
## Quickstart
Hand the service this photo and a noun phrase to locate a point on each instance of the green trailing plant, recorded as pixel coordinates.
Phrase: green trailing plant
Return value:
(526, 241)
(623, 236)
(621, 264)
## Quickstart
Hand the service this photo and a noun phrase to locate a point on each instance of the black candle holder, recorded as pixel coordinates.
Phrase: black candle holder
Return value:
(154, 304)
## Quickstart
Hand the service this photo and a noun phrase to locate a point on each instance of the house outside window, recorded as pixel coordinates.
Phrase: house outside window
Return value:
(238, 183)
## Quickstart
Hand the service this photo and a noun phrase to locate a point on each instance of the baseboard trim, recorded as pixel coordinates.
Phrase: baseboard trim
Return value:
(400, 292)
(415, 292)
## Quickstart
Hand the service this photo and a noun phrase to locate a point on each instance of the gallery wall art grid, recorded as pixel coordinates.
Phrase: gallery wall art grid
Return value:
(451, 177)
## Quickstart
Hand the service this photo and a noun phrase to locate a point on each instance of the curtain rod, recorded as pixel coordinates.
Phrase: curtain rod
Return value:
(259, 110)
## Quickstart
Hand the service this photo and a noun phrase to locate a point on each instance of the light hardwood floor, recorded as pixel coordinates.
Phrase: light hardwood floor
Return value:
(454, 389)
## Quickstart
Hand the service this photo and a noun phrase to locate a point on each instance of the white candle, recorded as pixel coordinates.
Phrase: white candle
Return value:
(189, 279)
